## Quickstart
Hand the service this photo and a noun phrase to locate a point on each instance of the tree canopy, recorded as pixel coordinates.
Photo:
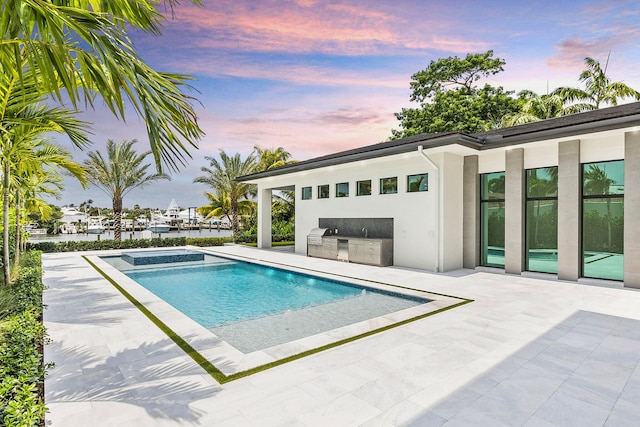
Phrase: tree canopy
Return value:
(451, 101)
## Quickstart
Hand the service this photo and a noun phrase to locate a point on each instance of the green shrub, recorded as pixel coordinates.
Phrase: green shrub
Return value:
(21, 371)
(208, 241)
(247, 238)
(28, 287)
(252, 238)
(93, 245)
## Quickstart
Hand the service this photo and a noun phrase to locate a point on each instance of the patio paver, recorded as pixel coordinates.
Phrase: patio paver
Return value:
(526, 352)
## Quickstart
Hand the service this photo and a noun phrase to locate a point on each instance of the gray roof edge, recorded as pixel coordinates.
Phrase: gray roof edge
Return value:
(564, 132)
(369, 152)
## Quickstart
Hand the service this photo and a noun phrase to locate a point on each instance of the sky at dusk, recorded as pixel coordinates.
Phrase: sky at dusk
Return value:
(316, 77)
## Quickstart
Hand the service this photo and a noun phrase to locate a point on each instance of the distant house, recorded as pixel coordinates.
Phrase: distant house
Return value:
(545, 197)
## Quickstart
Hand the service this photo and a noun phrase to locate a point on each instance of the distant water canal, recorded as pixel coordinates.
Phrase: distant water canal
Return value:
(108, 235)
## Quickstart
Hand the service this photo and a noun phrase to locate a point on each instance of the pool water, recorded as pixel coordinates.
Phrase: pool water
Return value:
(254, 307)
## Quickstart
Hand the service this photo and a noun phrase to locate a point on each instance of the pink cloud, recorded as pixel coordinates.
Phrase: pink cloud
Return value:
(297, 73)
(304, 131)
(318, 27)
(571, 53)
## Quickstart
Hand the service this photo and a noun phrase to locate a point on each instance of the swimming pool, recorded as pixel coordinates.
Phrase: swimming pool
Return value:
(254, 307)
(218, 349)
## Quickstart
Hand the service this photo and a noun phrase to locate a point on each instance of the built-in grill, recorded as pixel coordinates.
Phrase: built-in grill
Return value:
(315, 236)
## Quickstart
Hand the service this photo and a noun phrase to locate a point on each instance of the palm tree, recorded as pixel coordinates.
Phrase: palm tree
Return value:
(599, 89)
(268, 158)
(118, 174)
(536, 107)
(220, 206)
(23, 159)
(24, 119)
(75, 50)
(28, 193)
(221, 176)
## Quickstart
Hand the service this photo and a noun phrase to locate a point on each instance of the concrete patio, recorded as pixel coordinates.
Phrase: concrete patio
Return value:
(526, 352)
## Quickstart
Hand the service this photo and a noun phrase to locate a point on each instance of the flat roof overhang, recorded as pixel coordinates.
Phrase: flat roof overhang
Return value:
(369, 152)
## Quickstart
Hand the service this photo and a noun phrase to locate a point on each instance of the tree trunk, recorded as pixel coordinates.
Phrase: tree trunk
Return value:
(117, 217)
(5, 225)
(234, 219)
(18, 247)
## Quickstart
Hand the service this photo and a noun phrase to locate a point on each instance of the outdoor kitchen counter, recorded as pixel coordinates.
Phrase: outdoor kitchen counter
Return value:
(363, 250)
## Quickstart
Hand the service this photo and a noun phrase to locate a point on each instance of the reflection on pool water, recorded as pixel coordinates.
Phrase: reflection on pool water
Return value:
(254, 307)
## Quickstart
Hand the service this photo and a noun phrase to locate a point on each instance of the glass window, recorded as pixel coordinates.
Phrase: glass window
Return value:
(389, 185)
(542, 220)
(363, 188)
(603, 179)
(492, 219)
(492, 186)
(323, 191)
(603, 220)
(418, 182)
(342, 189)
(306, 193)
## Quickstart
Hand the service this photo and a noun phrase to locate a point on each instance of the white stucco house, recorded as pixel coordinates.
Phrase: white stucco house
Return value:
(547, 197)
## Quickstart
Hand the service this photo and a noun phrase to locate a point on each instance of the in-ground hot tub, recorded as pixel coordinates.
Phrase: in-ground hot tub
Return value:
(161, 257)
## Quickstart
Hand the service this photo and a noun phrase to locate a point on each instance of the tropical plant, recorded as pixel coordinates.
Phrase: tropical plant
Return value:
(118, 174)
(24, 119)
(536, 107)
(599, 90)
(283, 202)
(220, 206)
(221, 176)
(74, 50)
(27, 196)
(283, 206)
(269, 158)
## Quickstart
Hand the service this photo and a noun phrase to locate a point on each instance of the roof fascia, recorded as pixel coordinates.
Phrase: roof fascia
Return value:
(567, 131)
(368, 153)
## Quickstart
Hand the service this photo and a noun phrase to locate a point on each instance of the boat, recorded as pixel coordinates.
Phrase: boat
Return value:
(94, 225)
(190, 216)
(158, 226)
(38, 232)
(172, 214)
(71, 214)
(68, 228)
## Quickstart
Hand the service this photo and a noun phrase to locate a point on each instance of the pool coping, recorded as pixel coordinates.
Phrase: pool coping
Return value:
(224, 362)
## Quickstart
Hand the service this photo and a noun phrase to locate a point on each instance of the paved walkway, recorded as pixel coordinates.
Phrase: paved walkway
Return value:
(527, 352)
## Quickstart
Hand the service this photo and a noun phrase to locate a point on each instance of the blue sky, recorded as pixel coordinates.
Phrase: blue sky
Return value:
(316, 77)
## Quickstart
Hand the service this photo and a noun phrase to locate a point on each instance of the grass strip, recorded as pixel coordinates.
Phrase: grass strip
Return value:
(273, 244)
(219, 376)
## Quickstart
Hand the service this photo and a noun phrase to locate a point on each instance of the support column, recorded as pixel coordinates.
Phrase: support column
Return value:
(632, 209)
(264, 218)
(514, 211)
(470, 213)
(569, 191)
